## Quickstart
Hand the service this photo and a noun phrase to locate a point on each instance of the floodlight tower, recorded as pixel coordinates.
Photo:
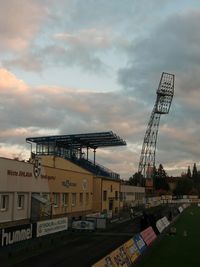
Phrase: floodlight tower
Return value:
(162, 105)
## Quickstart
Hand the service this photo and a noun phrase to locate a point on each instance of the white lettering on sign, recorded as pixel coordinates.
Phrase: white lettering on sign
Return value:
(11, 237)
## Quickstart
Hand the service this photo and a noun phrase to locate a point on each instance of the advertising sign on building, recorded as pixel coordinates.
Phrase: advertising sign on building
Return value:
(52, 226)
(15, 234)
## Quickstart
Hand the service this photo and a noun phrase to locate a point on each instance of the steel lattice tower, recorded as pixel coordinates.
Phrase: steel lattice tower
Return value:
(162, 105)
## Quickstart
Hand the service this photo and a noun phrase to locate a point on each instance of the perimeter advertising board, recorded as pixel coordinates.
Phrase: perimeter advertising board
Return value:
(11, 235)
(131, 250)
(83, 225)
(105, 262)
(116, 258)
(165, 221)
(139, 242)
(160, 226)
(180, 209)
(148, 235)
(51, 226)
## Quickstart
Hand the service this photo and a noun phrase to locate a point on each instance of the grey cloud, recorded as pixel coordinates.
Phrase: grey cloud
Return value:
(19, 22)
(55, 55)
(38, 110)
(172, 47)
(66, 17)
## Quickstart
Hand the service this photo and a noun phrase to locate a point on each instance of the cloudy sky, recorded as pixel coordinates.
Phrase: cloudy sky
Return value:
(74, 66)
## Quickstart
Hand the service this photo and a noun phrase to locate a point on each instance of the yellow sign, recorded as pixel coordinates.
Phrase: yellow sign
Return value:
(131, 250)
(116, 258)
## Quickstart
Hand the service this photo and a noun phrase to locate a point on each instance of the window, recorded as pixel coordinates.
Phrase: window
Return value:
(104, 195)
(20, 201)
(81, 198)
(56, 199)
(87, 198)
(73, 199)
(111, 189)
(4, 202)
(65, 199)
(116, 195)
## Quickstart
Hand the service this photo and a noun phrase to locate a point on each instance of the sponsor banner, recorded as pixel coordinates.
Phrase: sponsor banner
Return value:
(165, 221)
(109, 214)
(83, 225)
(116, 258)
(120, 258)
(148, 235)
(105, 262)
(180, 209)
(16, 234)
(52, 226)
(131, 250)
(160, 226)
(139, 242)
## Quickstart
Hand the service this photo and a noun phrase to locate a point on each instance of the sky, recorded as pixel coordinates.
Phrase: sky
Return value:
(74, 66)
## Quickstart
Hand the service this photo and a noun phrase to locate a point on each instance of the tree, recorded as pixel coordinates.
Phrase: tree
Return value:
(189, 175)
(195, 175)
(136, 179)
(161, 173)
(160, 182)
(184, 186)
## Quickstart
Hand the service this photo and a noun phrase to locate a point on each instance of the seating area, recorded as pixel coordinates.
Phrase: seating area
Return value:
(97, 169)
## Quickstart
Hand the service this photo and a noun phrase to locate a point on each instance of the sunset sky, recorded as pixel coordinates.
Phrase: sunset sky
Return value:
(79, 66)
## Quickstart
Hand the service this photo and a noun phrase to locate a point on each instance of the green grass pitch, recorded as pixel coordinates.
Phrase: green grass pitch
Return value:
(182, 249)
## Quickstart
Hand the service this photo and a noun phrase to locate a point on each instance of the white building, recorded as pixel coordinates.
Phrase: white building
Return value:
(132, 195)
(17, 183)
(57, 188)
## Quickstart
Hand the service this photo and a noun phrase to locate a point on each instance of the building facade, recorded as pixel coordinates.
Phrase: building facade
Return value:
(132, 196)
(106, 196)
(67, 188)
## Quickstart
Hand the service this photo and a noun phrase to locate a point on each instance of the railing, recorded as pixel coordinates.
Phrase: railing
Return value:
(87, 164)
(96, 169)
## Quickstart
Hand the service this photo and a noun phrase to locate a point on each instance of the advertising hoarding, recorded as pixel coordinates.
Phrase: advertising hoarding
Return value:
(148, 235)
(11, 235)
(131, 250)
(139, 242)
(51, 226)
(83, 225)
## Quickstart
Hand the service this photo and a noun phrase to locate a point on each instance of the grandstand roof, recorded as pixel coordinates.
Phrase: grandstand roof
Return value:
(90, 140)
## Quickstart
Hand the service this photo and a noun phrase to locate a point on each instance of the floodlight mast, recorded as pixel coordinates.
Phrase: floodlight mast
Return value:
(165, 93)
